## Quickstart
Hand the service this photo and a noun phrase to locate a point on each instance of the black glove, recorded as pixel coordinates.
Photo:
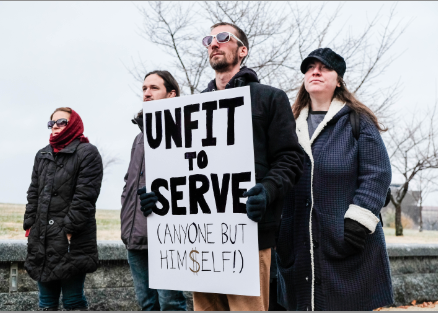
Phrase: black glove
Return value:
(148, 201)
(256, 203)
(355, 235)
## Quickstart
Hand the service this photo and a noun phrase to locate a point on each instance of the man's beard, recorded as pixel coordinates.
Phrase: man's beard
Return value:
(223, 64)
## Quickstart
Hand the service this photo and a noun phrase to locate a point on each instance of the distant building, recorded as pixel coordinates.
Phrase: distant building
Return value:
(430, 217)
(410, 209)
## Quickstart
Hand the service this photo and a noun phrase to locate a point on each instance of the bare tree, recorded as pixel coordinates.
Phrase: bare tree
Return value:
(413, 150)
(174, 28)
(280, 36)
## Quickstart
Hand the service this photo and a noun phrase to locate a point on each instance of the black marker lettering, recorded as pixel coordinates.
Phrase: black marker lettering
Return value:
(155, 186)
(209, 232)
(173, 128)
(224, 259)
(171, 258)
(224, 233)
(196, 234)
(230, 104)
(220, 195)
(203, 262)
(237, 193)
(177, 195)
(209, 107)
(154, 143)
(189, 125)
(197, 194)
(165, 258)
(190, 156)
(181, 261)
(202, 159)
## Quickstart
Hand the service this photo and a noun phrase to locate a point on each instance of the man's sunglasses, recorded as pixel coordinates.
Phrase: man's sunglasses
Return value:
(222, 37)
(60, 123)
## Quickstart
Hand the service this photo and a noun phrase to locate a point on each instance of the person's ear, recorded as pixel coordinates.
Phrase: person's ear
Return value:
(243, 52)
(171, 94)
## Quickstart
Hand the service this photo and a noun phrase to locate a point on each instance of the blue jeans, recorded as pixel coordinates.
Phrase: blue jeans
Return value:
(152, 299)
(72, 289)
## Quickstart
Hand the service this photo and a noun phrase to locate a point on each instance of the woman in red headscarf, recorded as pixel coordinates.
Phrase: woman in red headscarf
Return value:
(60, 213)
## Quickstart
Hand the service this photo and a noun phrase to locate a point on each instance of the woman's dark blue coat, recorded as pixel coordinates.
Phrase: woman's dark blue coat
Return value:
(350, 179)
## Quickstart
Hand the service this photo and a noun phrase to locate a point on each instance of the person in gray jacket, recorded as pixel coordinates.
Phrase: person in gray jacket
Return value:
(157, 85)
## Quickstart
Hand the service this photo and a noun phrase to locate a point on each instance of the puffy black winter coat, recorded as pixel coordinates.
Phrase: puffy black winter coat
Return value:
(62, 200)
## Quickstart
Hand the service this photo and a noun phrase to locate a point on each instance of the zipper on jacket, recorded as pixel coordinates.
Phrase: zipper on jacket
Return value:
(68, 249)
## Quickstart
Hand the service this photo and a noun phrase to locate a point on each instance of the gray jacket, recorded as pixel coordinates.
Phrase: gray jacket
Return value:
(133, 222)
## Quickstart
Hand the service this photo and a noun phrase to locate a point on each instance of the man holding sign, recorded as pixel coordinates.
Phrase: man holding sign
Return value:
(278, 165)
(156, 85)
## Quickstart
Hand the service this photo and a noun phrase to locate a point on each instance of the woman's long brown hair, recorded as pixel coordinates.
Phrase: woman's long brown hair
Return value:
(343, 95)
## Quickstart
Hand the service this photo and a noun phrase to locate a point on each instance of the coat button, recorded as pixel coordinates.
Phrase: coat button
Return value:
(51, 222)
(61, 165)
(317, 281)
(315, 244)
(55, 194)
(307, 278)
(307, 202)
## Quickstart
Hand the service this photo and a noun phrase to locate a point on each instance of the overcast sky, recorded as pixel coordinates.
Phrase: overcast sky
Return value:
(72, 54)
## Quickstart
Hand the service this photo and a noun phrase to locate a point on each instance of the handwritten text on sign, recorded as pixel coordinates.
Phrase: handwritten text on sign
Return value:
(199, 161)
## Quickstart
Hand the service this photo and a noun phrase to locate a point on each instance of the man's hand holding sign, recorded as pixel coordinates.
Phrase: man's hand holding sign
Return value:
(199, 159)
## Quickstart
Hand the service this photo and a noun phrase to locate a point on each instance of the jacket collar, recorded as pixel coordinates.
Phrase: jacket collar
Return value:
(47, 151)
(246, 74)
(138, 121)
(71, 148)
(303, 130)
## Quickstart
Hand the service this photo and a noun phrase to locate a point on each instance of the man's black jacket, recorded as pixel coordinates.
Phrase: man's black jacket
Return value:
(278, 156)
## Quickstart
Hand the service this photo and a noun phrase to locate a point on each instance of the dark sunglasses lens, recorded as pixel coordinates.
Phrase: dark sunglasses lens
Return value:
(61, 122)
(207, 40)
(223, 37)
(50, 124)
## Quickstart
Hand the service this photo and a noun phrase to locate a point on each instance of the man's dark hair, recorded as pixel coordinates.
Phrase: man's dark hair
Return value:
(169, 81)
(240, 34)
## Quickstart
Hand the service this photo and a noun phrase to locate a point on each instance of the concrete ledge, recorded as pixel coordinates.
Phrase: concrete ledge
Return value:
(403, 250)
(413, 270)
(16, 250)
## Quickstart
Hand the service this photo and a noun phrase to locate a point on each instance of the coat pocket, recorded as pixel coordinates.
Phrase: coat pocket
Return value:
(332, 237)
(285, 244)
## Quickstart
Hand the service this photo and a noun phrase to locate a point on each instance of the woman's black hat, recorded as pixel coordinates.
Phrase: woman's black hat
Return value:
(329, 58)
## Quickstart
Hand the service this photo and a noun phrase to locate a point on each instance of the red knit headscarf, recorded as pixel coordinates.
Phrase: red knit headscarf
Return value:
(73, 130)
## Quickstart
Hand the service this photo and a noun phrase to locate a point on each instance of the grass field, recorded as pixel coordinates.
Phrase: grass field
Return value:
(108, 226)
(11, 222)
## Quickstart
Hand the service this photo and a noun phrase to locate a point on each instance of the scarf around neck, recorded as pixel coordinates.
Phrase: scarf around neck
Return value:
(73, 130)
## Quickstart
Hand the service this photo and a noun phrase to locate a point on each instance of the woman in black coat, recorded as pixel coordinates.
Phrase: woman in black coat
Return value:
(331, 247)
(60, 213)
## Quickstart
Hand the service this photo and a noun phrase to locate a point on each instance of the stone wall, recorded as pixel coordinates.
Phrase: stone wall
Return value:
(414, 271)
(109, 288)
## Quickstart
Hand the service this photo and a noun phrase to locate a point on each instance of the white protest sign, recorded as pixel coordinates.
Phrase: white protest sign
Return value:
(199, 156)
